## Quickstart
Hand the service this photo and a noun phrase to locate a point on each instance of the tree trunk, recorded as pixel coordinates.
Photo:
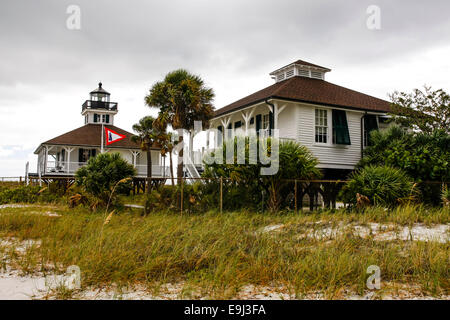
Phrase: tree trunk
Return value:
(180, 161)
(171, 168)
(274, 198)
(149, 171)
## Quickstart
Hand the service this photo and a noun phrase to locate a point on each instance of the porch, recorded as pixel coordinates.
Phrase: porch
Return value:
(64, 161)
(67, 168)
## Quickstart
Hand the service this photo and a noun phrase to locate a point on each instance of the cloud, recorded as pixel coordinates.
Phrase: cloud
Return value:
(47, 70)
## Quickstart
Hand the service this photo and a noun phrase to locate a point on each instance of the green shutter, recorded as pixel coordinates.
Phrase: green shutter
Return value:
(340, 128)
(220, 136)
(258, 124)
(271, 123)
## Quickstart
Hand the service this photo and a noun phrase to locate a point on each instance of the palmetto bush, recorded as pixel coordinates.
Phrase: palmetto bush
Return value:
(102, 175)
(245, 184)
(423, 156)
(446, 197)
(383, 185)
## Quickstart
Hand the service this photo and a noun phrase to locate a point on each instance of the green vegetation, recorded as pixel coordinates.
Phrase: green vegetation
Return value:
(424, 157)
(246, 185)
(384, 186)
(30, 194)
(102, 174)
(427, 110)
(147, 135)
(181, 98)
(221, 253)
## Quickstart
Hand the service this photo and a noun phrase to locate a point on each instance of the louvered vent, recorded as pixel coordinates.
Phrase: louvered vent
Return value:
(290, 73)
(303, 73)
(316, 75)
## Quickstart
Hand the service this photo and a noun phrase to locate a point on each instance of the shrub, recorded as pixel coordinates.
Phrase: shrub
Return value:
(27, 194)
(423, 156)
(245, 183)
(102, 176)
(446, 197)
(382, 185)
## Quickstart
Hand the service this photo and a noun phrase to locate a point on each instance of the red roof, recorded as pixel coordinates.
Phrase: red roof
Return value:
(90, 135)
(309, 90)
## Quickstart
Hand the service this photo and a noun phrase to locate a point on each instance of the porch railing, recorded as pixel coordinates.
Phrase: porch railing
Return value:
(69, 168)
(62, 167)
(157, 171)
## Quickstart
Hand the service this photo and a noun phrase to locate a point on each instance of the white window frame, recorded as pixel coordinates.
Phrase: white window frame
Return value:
(265, 119)
(326, 125)
(264, 131)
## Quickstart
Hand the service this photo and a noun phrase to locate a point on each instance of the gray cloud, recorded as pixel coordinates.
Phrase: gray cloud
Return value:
(232, 44)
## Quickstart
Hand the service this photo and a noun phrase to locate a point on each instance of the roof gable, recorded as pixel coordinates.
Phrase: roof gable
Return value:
(89, 135)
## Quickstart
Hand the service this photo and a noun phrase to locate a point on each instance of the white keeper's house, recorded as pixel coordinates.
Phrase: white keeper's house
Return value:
(332, 121)
(64, 154)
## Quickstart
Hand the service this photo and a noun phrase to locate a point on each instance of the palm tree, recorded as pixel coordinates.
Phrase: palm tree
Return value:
(165, 140)
(182, 98)
(146, 137)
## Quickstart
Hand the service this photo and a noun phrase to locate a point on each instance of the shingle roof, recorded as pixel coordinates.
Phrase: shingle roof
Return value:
(310, 90)
(90, 135)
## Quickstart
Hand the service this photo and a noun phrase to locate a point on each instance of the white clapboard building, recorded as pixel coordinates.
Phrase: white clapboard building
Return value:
(332, 121)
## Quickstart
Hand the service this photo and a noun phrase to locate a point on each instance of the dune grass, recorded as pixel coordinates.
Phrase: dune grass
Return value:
(219, 254)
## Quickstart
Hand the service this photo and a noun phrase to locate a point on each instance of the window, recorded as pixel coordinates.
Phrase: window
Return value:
(265, 129)
(105, 118)
(265, 121)
(96, 118)
(219, 136)
(321, 126)
(85, 154)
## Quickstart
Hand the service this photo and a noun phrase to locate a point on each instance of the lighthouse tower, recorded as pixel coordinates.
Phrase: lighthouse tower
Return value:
(99, 109)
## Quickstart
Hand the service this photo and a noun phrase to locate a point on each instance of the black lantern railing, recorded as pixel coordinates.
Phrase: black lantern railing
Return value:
(90, 104)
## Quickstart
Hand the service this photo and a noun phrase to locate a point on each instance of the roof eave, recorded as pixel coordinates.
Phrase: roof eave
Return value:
(297, 100)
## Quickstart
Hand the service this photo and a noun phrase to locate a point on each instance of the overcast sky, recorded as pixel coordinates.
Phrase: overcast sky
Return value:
(47, 69)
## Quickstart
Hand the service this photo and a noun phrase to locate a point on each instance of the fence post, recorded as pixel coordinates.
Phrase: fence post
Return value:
(221, 194)
(181, 196)
(295, 196)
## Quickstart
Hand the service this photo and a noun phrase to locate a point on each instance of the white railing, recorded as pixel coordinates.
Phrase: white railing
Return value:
(69, 168)
(197, 156)
(62, 167)
(157, 171)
